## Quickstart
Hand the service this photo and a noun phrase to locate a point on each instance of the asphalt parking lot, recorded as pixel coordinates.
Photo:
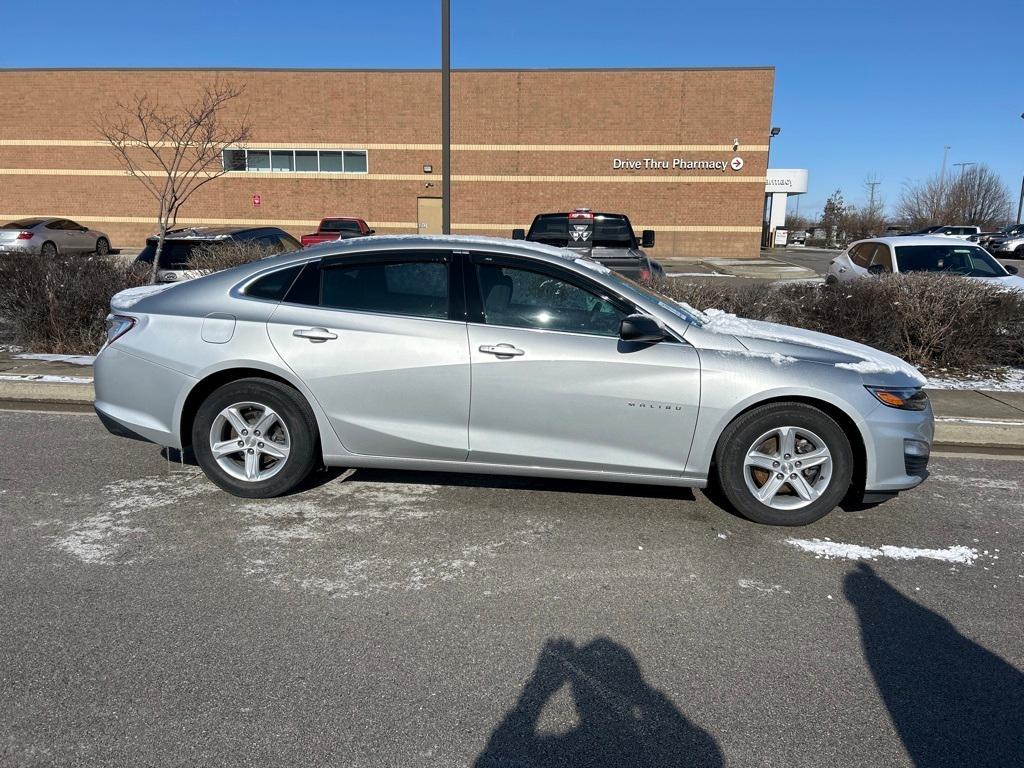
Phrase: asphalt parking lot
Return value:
(404, 619)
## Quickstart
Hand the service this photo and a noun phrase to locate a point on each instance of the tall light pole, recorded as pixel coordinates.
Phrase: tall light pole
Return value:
(446, 118)
(766, 227)
(1020, 203)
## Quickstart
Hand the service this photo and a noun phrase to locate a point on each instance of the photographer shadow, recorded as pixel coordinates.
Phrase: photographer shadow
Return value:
(620, 720)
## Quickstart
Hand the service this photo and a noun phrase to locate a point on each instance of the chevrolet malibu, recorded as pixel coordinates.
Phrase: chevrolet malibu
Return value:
(482, 355)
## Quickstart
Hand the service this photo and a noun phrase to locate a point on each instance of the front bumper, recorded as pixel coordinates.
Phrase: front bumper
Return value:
(898, 447)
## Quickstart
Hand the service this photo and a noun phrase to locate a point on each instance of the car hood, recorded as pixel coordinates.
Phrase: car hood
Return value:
(1010, 282)
(773, 340)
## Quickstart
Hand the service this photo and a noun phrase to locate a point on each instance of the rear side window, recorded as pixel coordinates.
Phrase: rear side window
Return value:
(415, 288)
(274, 286)
(861, 254)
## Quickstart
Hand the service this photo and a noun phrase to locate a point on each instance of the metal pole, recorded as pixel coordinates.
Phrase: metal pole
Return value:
(446, 118)
(1020, 205)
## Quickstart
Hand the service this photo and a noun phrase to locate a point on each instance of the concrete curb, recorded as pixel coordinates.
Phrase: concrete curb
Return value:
(952, 433)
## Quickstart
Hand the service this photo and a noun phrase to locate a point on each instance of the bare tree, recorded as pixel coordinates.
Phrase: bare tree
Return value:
(867, 220)
(174, 150)
(975, 196)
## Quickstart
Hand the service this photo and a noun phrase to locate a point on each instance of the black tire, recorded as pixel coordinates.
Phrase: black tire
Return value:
(831, 280)
(1018, 252)
(738, 438)
(102, 246)
(293, 411)
(48, 250)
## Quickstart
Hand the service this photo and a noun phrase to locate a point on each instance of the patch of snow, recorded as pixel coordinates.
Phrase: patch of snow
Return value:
(776, 358)
(10, 348)
(760, 586)
(129, 297)
(47, 379)
(834, 549)
(869, 366)
(1006, 380)
(69, 359)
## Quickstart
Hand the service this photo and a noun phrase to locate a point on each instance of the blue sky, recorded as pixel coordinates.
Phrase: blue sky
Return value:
(861, 87)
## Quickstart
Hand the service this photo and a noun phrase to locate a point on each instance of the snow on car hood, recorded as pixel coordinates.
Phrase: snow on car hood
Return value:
(129, 297)
(1010, 282)
(762, 337)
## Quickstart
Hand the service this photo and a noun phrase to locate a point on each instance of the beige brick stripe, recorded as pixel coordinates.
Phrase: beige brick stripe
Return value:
(470, 227)
(295, 175)
(430, 147)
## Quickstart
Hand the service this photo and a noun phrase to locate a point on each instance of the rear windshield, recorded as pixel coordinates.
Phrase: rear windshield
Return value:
(174, 255)
(337, 225)
(609, 231)
(969, 260)
(23, 224)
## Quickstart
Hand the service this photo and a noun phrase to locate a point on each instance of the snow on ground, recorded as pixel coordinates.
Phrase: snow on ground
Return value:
(48, 379)
(830, 550)
(69, 359)
(1011, 380)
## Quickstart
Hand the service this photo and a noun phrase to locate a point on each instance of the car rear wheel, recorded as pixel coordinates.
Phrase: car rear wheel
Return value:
(784, 464)
(255, 438)
(102, 246)
(48, 249)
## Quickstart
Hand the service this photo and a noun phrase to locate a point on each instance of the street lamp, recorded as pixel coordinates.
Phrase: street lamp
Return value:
(1020, 203)
(766, 210)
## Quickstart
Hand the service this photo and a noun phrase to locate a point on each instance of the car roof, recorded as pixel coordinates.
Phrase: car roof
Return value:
(205, 233)
(915, 240)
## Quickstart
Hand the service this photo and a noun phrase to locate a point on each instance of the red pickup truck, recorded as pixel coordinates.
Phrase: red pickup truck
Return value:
(337, 228)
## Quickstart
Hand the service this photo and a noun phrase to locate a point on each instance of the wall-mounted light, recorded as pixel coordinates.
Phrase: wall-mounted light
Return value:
(735, 144)
(428, 168)
(776, 131)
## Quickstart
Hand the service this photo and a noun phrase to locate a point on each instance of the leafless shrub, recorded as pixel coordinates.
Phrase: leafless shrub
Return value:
(933, 321)
(59, 304)
(214, 257)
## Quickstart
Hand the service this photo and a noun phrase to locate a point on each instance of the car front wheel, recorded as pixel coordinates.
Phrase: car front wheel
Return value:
(784, 464)
(255, 438)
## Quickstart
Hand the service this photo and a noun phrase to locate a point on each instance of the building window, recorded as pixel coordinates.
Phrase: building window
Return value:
(292, 160)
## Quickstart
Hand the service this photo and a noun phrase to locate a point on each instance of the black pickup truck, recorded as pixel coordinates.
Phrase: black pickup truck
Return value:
(608, 238)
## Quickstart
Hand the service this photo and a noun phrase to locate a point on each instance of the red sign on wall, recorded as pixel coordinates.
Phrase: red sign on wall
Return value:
(256, 201)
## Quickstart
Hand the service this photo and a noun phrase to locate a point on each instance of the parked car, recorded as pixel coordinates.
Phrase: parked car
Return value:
(608, 238)
(886, 255)
(982, 238)
(918, 232)
(337, 228)
(959, 232)
(355, 354)
(180, 243)
(1010, 242)
(50, 237)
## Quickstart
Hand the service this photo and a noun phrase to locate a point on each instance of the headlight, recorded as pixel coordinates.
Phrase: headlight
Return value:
(904, 398)
(118, 326)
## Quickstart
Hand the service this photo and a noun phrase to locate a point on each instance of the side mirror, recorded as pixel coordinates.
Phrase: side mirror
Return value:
(371, 231)
(641, 328)
(83, 229)
(518, 234)
(1011, 269)
(876, 269)
(647, 238)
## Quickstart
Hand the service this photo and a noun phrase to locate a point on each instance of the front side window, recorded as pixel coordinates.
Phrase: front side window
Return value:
(882, 257)
(414, 288)
(522, 298)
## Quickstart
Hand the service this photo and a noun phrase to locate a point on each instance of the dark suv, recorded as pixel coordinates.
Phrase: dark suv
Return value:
(607, 238)
(179, 244)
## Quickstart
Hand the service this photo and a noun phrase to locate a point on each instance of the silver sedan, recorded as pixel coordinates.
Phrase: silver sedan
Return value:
(50, 237)
(483, 355)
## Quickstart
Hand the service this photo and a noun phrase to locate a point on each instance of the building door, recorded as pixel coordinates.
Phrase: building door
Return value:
(428, 211)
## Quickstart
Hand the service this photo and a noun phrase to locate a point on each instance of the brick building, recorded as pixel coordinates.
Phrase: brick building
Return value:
(681, 151)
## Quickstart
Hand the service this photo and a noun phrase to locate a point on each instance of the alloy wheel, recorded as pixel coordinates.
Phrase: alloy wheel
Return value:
(787, 468)
(250, 441)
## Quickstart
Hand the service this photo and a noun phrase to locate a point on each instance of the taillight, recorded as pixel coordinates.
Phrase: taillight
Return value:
(581, 213)
(118, 326)
(645, 274)
(26, 235)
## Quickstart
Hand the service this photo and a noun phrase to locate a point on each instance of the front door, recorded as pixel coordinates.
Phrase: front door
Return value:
(554, 386)
(373, 341)
(428, 211)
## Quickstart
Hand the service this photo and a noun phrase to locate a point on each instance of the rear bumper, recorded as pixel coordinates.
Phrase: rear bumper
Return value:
(139, 399)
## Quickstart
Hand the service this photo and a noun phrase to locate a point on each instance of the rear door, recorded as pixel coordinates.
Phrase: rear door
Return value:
(375, 339)
(554, 386)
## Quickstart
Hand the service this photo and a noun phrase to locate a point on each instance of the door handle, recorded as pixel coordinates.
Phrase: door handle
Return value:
(502, 350)
(315, 335)
(842, 269)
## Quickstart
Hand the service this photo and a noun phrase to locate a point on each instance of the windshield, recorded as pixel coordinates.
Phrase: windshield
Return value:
(609, 232)
(967, 260)
(634, 290)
